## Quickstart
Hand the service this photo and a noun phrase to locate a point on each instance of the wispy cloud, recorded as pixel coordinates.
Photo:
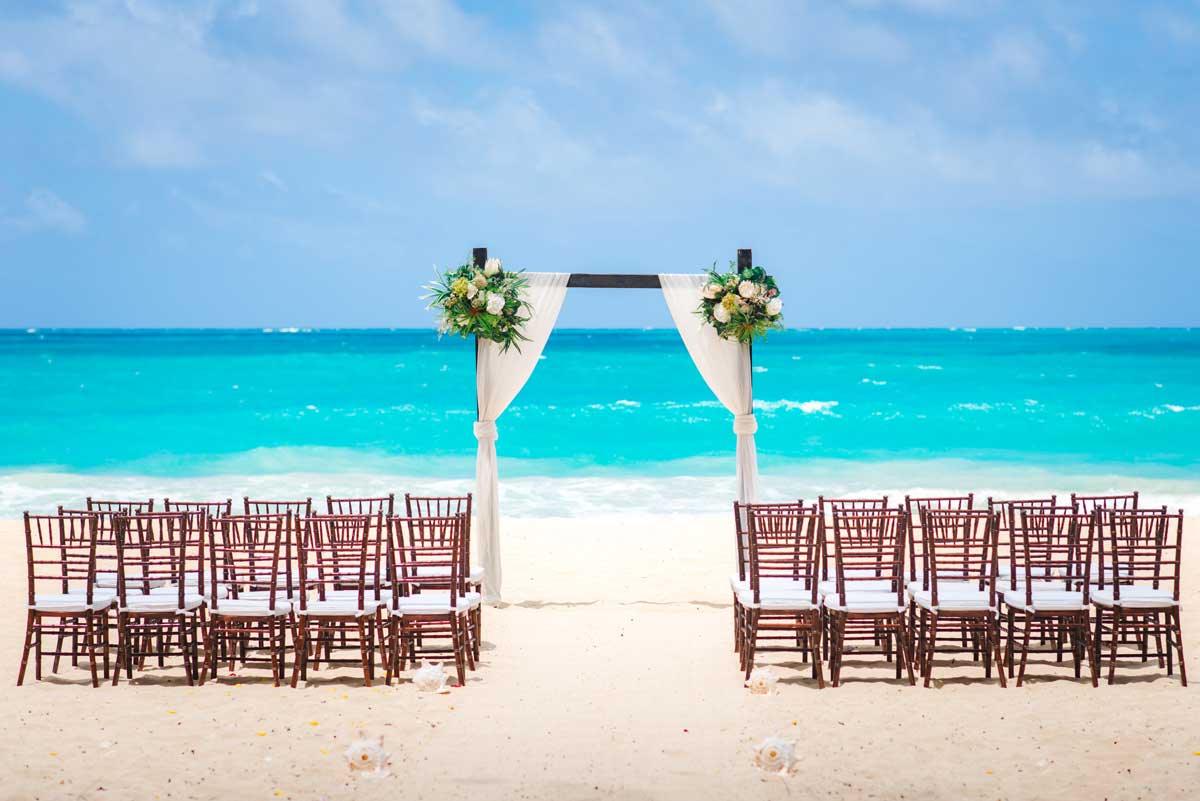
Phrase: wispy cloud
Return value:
(43, 210)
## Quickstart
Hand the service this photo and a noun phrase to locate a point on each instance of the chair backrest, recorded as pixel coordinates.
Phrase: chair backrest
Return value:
(741, 528)
(1087, 504)
(785, 545)
(868, 545)
(159, 549)
(385, 504)
(827, 506)
(960, 547)
(913, 505)
(244, 556)
(1140, 546)
(343, 553)
(60, 553)
(444, 506)
(213, 509)
(1051, 549)
(426, 553)
(125, 507)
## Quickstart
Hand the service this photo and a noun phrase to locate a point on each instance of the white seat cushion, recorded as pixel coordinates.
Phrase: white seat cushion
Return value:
(258, 595)
(954, 601)
(434, 603)
(338, 607)
(777, 599)
(1046, 600)
(1135, 596)
(864, 601)
(829, 586)
(251, 607)
(158, 604)
(66, 603)
(946, 587)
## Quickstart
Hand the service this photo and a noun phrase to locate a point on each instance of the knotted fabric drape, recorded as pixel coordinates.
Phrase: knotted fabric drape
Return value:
(725, 367)
(498, 378)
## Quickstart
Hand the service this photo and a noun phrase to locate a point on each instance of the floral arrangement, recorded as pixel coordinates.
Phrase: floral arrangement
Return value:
(742, 306)
(486, 303)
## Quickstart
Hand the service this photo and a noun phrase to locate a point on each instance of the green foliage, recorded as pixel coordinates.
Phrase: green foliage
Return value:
(469, 302)
(741, 316)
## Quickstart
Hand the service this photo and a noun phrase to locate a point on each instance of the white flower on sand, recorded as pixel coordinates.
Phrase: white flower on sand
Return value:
(762, 681)
(495, 303)
(711, 291)
(491, 267)
(366, 755)
(472, 291)
(479, 280)
(747, 289)
(430, 678)
(774, 307)
(776, 755)
(720, 314)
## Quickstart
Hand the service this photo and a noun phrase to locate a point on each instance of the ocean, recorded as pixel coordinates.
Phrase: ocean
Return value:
(610, 422)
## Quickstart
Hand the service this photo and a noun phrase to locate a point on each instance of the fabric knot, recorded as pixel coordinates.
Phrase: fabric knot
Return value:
(744, 423)
(486, 430)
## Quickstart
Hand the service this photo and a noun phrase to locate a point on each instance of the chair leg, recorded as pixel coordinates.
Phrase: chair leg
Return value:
(1118, 630)
(459, 649)
(30, 620)
(837, 627)
(930, 646)
(814, 644)
(89, 642)
(301, 651)
(1024, 648)
(750, 641)
(1177, 629)
(993, 641)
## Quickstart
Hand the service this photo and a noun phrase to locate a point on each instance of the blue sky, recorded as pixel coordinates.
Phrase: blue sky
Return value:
(893, 162)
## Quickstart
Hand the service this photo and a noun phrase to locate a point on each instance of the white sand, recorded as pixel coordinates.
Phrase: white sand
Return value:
(610, 674)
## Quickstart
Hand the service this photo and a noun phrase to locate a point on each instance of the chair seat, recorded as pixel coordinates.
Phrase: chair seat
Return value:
(954, 601)
(864, 601)
(829, 586)
(777, 599)
(474, 576)
(434, 603)
(1046, 600)
(158, 604)
(258, 595)
(772, 582)
(946, 588)
(251, 607)
(66, 603)
(338, 607)
(190, 587)
(1135, 596)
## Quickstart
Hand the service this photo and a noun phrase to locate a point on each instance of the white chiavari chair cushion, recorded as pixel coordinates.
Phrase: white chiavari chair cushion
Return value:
(66, 603)
(434, 603)
(338, 607)
(1135, 596)
(251, 607)
(779, 599)
(866, 601)
(955, 601)
(157, 604)
(1046, 600)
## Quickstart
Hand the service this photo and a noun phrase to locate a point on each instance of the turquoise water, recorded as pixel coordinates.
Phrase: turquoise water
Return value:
(607, 414)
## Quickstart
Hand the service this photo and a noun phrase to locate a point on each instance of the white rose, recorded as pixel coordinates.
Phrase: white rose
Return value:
(774, 307)
(472, 291)
(495, 303)
(720, 314)
(776, 755)
(762, 681)
(747, 289)
(711, 291)
(366, 755)
(491, 267)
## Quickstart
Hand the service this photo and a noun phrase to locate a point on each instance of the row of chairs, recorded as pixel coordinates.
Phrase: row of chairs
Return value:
(938, 575)
(120, 576)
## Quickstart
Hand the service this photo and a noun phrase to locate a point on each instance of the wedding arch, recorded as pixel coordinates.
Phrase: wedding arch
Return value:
(726, 367)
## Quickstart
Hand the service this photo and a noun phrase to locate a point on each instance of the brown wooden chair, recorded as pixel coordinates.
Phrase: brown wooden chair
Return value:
(449, 506)
(63, 598)
(384, 504)
(430, 609)
(213, 509)
(159, 611)
(914, 578)
(960, 573)
(868, 601)
(781, 604)
(739, 581)
(1086, 504)
(1137, 593)
(251, 594)
(1048, 586)
(344, 558)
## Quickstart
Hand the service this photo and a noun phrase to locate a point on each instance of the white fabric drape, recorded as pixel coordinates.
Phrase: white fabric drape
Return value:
(725, 367)
(498, 378)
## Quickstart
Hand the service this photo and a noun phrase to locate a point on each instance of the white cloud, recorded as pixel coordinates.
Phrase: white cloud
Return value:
(44, 211)
(1181, 28)
(274, 180)
(1017, 55)
(161, 147)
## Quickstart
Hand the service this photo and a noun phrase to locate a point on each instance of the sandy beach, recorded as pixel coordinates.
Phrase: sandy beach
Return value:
(608, 673)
